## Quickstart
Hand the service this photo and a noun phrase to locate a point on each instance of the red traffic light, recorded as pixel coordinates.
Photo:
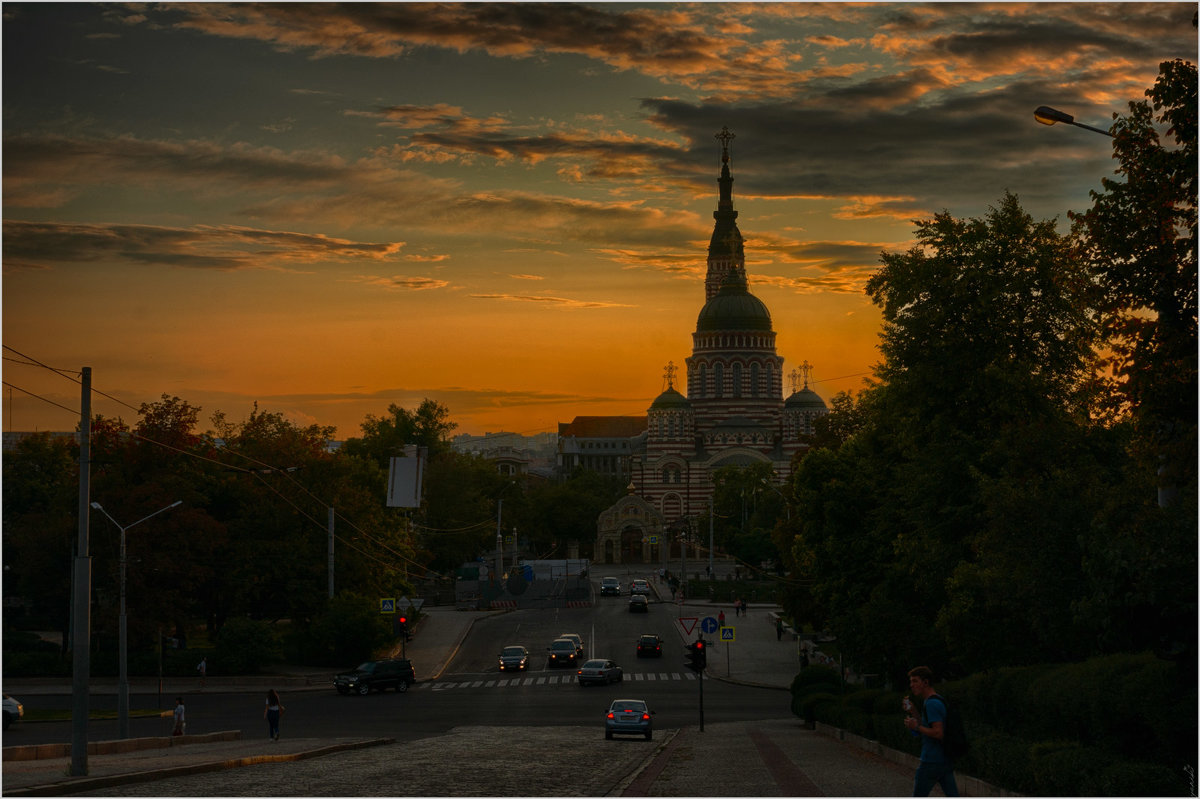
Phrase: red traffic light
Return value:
(699, 645)
(403, 619)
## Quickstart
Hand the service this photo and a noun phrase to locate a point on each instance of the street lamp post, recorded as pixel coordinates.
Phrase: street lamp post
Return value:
(123, 684)
(1048, 116)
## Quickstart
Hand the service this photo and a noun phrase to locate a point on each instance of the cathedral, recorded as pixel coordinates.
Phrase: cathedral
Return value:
(733, 414)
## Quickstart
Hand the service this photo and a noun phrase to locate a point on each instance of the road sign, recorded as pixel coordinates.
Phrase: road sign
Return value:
(727, 634)
(688, 624)
(653, 539)
(709, 625)
(387, 605)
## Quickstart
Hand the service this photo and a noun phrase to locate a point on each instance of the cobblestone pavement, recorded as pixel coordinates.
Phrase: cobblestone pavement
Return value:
(765, 758)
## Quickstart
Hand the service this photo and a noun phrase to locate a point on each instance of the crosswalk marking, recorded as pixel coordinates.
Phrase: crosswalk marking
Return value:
(545, 680)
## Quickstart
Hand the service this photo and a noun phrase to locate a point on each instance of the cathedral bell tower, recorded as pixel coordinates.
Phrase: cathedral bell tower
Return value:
(725, 252)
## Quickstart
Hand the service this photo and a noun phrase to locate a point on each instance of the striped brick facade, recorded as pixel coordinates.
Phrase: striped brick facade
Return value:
(734, 413)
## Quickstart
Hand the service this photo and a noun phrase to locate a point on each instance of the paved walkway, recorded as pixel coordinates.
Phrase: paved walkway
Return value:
(764, 758)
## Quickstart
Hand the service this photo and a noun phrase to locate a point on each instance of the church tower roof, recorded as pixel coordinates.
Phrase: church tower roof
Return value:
(726, 252)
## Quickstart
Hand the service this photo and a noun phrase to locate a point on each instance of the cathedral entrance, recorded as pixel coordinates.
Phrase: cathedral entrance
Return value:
(632, 549)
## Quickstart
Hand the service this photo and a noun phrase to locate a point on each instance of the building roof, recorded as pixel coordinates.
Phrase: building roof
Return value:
(733, 308)
(603, 427)
(670, 399)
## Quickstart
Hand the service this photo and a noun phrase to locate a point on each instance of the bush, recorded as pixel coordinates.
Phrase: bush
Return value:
(818, 706)
(36, 664)
(1142, 779)
(243, 647)
(349, 631)
(1066, 768)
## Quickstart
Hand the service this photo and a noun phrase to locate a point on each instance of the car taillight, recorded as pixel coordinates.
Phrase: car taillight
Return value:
(610, 715)
(645, 716)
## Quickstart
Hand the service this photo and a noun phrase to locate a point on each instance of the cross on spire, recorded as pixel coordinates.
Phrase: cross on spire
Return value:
(806, 371)
(669, 375)
(725, 136)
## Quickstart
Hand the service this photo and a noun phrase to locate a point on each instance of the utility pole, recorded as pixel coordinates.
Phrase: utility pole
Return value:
(81, 628)
(331, 553)
(499, 541)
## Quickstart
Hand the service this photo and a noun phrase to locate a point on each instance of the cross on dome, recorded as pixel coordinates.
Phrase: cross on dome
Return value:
(725, 136)
(669, 375)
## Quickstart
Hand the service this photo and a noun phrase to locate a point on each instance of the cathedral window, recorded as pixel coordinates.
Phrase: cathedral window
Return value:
(754, 376)
(719, 380)
(703, 380)
(737, 380)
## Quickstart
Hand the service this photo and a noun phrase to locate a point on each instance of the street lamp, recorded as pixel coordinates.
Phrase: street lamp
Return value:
(123, 684)
(1048, 116)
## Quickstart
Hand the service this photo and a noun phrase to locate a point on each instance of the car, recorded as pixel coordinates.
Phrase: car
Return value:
(649, 645)
(13, 710)
(599, 671)
(376, 675)
(629, 717)
(577, 638)
(563, 652)
(639, 604)
(514, 658)
(639, 587)
(610, 586)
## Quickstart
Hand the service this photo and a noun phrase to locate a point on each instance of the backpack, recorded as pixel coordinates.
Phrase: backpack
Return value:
(954, 737)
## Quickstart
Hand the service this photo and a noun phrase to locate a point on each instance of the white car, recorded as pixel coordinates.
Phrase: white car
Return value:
(13, 710)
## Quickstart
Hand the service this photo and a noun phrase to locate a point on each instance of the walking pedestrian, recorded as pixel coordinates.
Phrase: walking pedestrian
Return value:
(737, 607)
(721, 619)
(935, 767)
(180, 721)
(202, 668)
(272, 713)
(779, 628)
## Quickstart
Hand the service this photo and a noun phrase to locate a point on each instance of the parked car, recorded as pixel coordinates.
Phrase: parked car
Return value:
(600, 672)
(649, 645)
(639, 587)
(628, 717)
(514, 658)
(610, 586)
(376, 675)
(13, 710)
(639, 604)
(563, 652)
(577, 638)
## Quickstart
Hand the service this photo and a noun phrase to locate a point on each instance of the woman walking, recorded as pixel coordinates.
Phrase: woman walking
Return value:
(272, 713)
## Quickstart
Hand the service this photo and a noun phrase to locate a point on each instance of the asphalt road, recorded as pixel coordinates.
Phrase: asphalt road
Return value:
(472, 691)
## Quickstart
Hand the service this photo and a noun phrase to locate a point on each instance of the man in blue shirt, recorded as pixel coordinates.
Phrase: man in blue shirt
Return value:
(935, 767)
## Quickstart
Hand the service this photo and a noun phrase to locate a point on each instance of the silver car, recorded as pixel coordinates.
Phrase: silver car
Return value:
(629, 717)
(599, 672)
(13, 710)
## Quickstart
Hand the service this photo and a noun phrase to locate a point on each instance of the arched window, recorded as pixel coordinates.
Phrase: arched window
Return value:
(703, 380)
(737, 380)
(719, 380)
(754, 376)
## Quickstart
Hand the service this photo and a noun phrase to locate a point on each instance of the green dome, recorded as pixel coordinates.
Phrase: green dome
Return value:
(733, 308)
(803, 400)
(670, 400)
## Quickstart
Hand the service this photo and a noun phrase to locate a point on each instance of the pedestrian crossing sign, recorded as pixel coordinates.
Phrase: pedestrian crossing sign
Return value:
(387, 605)
(727, 634)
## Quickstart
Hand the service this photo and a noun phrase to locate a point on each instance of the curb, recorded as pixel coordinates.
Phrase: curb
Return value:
(51, 751)
(94, 783)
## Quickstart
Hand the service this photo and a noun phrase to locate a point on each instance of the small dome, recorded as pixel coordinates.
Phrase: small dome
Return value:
(804, 400)
(733, 308)
(671, 400)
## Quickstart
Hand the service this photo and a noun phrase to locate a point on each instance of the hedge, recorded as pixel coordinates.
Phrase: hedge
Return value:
(1118, 725)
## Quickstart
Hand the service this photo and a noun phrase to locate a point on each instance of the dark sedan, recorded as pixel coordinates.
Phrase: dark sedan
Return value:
(649, 646)
(639, 604)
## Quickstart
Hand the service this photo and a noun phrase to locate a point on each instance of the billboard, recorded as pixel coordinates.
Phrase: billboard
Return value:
(404, 478)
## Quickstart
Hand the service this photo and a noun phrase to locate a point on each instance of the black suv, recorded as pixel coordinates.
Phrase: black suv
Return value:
(376, 675)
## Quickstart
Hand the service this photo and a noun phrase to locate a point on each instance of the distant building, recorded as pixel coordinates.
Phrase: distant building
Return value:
(603, 444)
(514, 454)
(734, 413)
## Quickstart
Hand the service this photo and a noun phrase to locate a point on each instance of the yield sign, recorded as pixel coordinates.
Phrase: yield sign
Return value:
(688, 624)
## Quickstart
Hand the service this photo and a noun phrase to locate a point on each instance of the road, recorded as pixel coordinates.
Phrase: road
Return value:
(471, 691)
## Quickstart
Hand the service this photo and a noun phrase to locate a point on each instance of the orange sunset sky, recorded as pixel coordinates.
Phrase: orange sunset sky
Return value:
(504, 207)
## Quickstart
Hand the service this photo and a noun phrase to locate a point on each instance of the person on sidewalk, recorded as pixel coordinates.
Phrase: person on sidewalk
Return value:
(935, 767)
(779, 628)
(721, 619)
(272, 713)
(202, 668)
(180, 721)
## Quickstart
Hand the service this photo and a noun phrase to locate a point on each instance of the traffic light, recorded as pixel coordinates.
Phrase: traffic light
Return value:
(402, 627)
(697, 655)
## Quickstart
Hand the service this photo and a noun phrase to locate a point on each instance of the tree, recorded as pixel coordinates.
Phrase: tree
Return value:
(982, 398)
(1139, 243)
